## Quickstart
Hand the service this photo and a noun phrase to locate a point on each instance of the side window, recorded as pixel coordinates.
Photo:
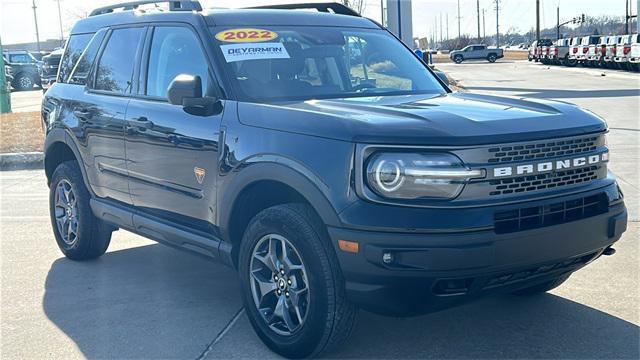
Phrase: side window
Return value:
(381, 70)
(174, 51)
(75, 47)
(115, 68)
(81, 69)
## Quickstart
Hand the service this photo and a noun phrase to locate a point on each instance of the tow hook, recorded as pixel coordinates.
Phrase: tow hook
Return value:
(609, 251)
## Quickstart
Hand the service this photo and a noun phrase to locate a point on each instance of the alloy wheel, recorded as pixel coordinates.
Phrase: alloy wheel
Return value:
(66, 212)
(279, 284)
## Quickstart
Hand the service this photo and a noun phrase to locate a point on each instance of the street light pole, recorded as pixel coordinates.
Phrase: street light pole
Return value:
(60, 22)
(35, 19)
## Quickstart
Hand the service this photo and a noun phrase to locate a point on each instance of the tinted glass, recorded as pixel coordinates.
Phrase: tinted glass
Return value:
(321, 62)
(73, 51)
(82, 67)
(115, 67)
(20, 58)
(174, 51)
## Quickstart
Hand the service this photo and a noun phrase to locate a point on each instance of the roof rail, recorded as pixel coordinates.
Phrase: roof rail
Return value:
(174, 5)
(328, 7)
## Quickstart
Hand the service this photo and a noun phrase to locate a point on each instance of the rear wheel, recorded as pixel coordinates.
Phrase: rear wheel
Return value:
(542, 288)
(293, 289)
(79, 234)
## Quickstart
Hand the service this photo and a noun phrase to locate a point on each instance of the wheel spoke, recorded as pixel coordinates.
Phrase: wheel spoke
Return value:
(266, 286)
(288, 321)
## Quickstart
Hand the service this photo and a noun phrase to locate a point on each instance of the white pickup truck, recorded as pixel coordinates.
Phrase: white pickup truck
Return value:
(476, 52)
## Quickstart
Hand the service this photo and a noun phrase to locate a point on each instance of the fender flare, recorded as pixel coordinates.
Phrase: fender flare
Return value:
(59, 135)
(282, 170)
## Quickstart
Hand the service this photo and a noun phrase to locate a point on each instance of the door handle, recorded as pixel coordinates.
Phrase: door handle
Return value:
(141, 122)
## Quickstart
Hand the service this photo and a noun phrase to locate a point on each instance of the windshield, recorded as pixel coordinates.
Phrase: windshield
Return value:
(299, 63)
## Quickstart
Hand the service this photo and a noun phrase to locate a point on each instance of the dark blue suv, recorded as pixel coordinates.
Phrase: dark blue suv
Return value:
(316, 154)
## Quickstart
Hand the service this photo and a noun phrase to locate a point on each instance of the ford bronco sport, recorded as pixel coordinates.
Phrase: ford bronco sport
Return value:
(331, 178)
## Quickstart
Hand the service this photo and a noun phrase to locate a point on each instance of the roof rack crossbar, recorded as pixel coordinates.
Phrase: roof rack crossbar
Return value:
(329, 7)
(174, 5)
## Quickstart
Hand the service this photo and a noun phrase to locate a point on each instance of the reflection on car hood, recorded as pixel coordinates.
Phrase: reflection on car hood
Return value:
(455, 119)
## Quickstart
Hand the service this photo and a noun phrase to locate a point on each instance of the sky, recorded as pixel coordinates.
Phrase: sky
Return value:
(17, 23)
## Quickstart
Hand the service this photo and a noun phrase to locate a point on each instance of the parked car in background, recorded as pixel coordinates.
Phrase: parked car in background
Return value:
(634, 55)
(573, 48)
(8, 76)
(24, 68)
(623, 49)
(610, 50)
(583, 48)
(560, 53)
(542, 47)
(532, 51)
(595, 51)
(50, 68)
(476, 52)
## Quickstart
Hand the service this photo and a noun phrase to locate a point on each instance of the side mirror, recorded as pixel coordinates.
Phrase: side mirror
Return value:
(442, 76)
(186, 91)
(184, 87)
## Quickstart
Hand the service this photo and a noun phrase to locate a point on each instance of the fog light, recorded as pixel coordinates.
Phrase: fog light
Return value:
(387, 258)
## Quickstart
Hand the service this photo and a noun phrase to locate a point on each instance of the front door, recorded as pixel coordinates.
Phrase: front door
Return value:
(172, 156)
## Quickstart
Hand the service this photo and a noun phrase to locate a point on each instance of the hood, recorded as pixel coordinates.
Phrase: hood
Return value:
(456, 119)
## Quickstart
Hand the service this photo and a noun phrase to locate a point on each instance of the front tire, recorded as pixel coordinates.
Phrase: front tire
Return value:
(23, 82)
(293, 288)
(79, 234)
(542, 288)
(458, 59)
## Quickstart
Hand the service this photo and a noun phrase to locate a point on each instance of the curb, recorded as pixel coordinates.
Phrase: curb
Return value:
(21, 160)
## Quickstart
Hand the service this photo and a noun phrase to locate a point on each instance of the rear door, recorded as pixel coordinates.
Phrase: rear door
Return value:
(101, 109)
(172, 156)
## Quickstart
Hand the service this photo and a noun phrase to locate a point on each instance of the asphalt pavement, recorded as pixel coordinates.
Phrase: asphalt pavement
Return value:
(145, 300)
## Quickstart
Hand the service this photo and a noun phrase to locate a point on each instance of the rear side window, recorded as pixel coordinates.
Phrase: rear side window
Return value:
(115, 68)
(83, 66)
(75, 47)
(174, 51)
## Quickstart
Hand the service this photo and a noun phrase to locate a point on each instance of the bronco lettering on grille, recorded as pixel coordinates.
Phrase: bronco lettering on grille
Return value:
(547, 166)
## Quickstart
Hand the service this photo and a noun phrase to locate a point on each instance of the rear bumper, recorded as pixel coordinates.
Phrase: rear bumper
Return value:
(634, 60)
(430, 272)
(621, 59)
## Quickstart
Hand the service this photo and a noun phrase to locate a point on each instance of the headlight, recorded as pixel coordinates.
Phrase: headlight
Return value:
(413, 176)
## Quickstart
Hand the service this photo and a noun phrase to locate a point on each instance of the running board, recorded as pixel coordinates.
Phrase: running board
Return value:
(161, 231)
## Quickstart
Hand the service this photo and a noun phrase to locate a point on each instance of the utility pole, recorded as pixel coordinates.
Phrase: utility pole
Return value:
(558, 26)
(626, 17)
(441, 37)
(537, 20)
(498, 23)
(478, 10)
(447, 26)
(381, 12)
(60, 22)
(459, 34)
(35, 18)
(484, 27)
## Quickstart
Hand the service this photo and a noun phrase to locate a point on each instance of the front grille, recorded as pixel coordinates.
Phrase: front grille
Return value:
(550, 214)
(542, 149)
(511, 278)
(544, 181)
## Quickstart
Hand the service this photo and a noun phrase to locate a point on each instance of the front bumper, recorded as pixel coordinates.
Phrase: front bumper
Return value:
(634, 60)
(426, 272)
(621, 59)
